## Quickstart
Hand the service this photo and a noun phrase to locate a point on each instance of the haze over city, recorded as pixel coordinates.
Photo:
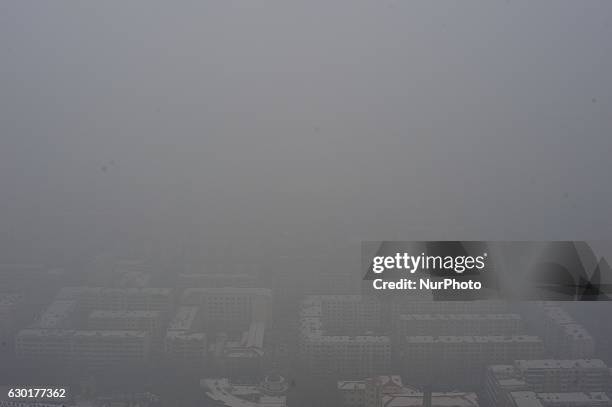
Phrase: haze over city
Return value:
(185, 188)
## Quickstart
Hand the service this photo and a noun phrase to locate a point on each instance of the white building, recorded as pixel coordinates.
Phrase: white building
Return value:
(185, 319)
(37, 343)
(352, 393)
(186, 347)
(225, 393)
(349, 313)
(58, 315)
(232, 307)
(102, 348)
(389, 391)
(462, 359)
(94, 348)
(458, 324)
(545, 376)
(91, 298)
(361, 355)
(185, 341)
(563, 335)
(218, 280)
(402, 306)
(574, 399)
(244, 358)
(137, 320)
(556, 375)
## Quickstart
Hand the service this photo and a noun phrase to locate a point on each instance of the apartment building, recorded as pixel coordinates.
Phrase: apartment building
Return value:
(185, 341)
(403, 306)
(110, 347)
(563, 336)
(389, 391)
(462, 360)
(149, 321)
(575, 399)
(94, 348)
(230, 306)
(35, 343)
(339, 355)
(92, 298)
(458, 324)
(546, 376)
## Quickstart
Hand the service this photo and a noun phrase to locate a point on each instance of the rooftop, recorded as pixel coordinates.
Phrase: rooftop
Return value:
(228, 291)
(230, 395)
(36, 332)
(560, 364)
(351, 385)
(81, 291)
(459, 317)
(110, 334)
(255, 335)
(10, 299)
(124, 314)
(195, 336)
(56, 313)
(532, 399)
(437, 399)
(184, 319)
(472, 339)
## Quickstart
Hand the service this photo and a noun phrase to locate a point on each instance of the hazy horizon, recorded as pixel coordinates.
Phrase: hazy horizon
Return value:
(142, 125)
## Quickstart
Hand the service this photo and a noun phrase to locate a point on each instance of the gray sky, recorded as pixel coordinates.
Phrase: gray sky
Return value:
(279, 123)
